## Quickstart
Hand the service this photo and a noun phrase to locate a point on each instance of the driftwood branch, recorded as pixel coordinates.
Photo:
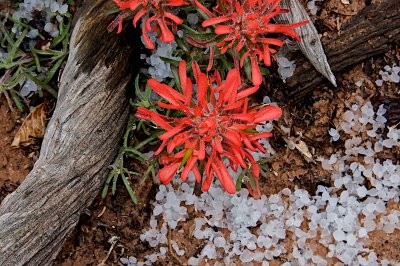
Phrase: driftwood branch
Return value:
(369, 34)
(78, 146)
(310, 44)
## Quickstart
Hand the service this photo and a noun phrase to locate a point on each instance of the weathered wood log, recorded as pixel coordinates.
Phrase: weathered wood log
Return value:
(310, 44)
(369, 34)
(78, 146)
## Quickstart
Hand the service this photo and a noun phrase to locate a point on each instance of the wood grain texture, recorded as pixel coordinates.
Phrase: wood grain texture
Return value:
(310, 44)
(79, 144)
(369, 34)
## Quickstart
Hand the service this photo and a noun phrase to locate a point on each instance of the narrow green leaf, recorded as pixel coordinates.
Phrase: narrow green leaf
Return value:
(11, 53)
(240, 180)
(54, 69)
(128, 187)
(17, 100)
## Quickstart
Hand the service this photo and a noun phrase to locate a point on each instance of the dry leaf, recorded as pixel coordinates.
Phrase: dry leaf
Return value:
(301, 146)
(33, 127)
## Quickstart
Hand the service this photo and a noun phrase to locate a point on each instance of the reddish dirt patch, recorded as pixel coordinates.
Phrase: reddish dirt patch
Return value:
(15, 163)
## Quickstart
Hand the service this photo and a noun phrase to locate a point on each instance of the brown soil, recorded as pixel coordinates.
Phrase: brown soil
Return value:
(308, 121)
(15, 164)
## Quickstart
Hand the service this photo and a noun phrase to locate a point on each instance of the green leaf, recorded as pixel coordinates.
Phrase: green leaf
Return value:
(107, 183)
(240, 180)
(171, 61)
(16, 100)
(186, 157)
(11, 53)
(128, 187)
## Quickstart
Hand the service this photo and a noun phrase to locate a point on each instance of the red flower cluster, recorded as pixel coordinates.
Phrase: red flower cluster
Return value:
(150, 11)
(246, 24)
(218, 124)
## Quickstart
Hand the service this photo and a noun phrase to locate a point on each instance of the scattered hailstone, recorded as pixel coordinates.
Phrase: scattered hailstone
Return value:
(160, 69)
(193, 18)
(334, 134)
(50, 8)
(28, 87)
(285, 67)
(389, 74)
(359, 83)
(338, 217)
(312, 7)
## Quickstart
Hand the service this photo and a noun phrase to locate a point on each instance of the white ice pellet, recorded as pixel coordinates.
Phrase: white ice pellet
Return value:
(334, 134)
(193, 18)
(219, 242)
(285, 67)
(246, 256)
(362, 191)
(339, 235)
(124, 261)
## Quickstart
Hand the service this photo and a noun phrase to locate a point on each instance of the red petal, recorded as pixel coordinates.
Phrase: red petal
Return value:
(189, 166)
(182, 75)
(172, 132)
(202, 150)
(166, 92)
(224, 176)
(216, 20)
(138, 15)
(247, 92)
(211, 59)
(202, 87)
(160, 149)
(196, 70)
(267, 113)
(160, 120)
(203, 8)
(146, 38)
(207, 182)
(167, 173)
(196, 174)
(258, 136)
(166, 34)
(174, 18)
(218, 146)
(256, 77)
(222, 29)
(177, 3)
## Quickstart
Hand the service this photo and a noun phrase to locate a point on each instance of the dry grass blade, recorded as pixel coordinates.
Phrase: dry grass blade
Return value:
(33, 127)
(310, 44)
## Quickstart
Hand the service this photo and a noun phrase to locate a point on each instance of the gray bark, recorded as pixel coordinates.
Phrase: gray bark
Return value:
(79, 144)
(310, 44)
(369, 34)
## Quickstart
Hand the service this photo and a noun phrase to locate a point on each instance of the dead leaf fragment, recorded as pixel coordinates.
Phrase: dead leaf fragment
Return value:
(33, 127)
(302, 147)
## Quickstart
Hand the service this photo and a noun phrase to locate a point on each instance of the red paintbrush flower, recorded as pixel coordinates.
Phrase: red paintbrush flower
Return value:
(246, 24)
(217, 126)
(149, 11)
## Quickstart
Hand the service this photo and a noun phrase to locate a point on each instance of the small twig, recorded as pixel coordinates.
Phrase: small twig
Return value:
(8, 101)
(113, 241)
(170, 250)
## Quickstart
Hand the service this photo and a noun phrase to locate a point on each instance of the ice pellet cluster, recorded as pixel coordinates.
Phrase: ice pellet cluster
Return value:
(285, 67)
(48, 8)
(239, 229)
(312, 7)
(160, 69)
(390, 73)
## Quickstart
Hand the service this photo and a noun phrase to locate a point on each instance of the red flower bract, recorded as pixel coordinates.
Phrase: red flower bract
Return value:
(246, 24)
(149, 11)
(217, 126)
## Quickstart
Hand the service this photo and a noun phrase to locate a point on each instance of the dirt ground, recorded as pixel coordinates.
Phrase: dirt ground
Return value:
(309, 121)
